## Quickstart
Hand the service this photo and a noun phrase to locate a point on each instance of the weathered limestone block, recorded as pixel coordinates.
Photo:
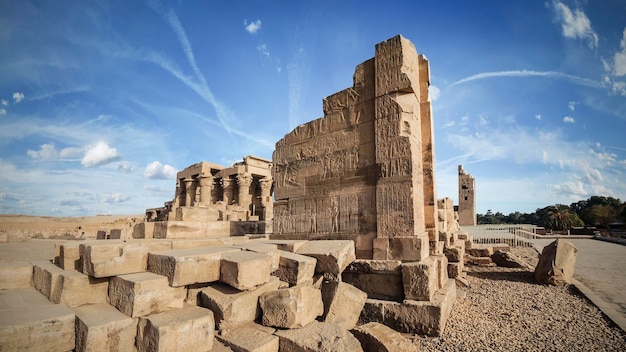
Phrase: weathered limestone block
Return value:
(140, 294)
(333, 256)
(104, 259)
(406, 249)
(342, 304)
(455, 269)
(196, 243)
(464, 236)
(507, 260)
(232, 307)
(291, 308)
(245, 270)
(435, 247)
(380, 279)
(189, 328)
(376, 337)
(416, 317)
(295, 269)
(318, 337)
(264, 248)
(29, 322)
(250, 338)
(15, 275)
(557, 263)
(420, 279)
(45, 277)
(100, 327)
(287, 245)
(188, 266)
(75, 289)
(69, 256)
(455, 253)
(480, 251)
(445, 237)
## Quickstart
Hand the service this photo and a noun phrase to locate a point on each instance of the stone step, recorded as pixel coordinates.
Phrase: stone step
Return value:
(188, 266)
(75, 289)
(15, 275)
(141, 294)
(233, 307)
(190, 328)
(101, 327)
(29, 322)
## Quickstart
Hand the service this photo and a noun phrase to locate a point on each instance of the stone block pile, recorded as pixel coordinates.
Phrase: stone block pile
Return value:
(255, 295)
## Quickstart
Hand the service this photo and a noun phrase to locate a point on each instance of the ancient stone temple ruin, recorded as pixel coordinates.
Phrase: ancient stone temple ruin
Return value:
(366, 172)
(362, 248)
(467, 198)
(216, 199)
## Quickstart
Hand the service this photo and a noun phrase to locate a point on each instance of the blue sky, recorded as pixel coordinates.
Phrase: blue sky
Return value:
(103, 101)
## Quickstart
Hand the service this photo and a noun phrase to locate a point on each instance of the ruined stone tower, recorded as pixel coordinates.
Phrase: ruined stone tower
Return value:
(467, 198)
(365, 171)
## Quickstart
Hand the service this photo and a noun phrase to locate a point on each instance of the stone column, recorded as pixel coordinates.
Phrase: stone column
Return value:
(176, 202)
(227, 185)
(244, 181)
(428, 151)
(206, 186)
(189, 194)
(266, 198)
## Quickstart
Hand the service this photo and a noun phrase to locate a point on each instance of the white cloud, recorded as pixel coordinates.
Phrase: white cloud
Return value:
(449, 124)
(156, 170)
(619, 60)
(572, 105)
(538, 117)
(253, 26)
(3, 112)
(46, 152)
(574, 190)
(263, 50)
(568, 119)
(525, 73)
(17, 97)
(100, 154)
(4, 102)
(126, 167)
(433, 93)
(114, 198)
(576, 24)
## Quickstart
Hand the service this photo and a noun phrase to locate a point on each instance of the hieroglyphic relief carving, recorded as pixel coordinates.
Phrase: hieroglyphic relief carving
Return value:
(360, 168)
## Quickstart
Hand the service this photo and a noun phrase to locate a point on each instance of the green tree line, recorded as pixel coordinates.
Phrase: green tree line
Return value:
(596, 211)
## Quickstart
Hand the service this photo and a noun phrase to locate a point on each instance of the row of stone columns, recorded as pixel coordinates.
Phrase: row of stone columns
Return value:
(244, 180)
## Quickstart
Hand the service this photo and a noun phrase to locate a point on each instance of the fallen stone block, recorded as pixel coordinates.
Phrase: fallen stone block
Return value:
(295, 269)
(189, 328)
(557, 263)
(455, 253)
(270, 250)
(342, 304)
(508, 260)
(332, 256)
(380, 279)
(75, 289)
(69, 256)
(15, 275)
(142, 294)
(318, 337)
(100, 327)
(420, 279)
(291, 308)
(105, 259)
(250, 338)
(376, 337)
(188, 266)
(245, 270)
(480, 251)
(287, 245)
(479, 260)
(416, 317)
(232, 307)
(414, 248)
(455, 269)
(45, 277)
(28, 321)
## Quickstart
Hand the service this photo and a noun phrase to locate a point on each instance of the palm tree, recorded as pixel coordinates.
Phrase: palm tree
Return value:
(559, 217)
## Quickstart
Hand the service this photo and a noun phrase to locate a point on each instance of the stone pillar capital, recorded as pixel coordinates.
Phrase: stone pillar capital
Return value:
(244, 179)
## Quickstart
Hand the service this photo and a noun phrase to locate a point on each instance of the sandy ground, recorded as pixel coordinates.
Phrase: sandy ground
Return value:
(20, 227)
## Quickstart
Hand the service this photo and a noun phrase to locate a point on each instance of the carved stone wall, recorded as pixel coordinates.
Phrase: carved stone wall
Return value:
(365, 170)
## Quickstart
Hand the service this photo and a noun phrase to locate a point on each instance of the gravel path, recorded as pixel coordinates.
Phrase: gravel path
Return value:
(506, 310)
